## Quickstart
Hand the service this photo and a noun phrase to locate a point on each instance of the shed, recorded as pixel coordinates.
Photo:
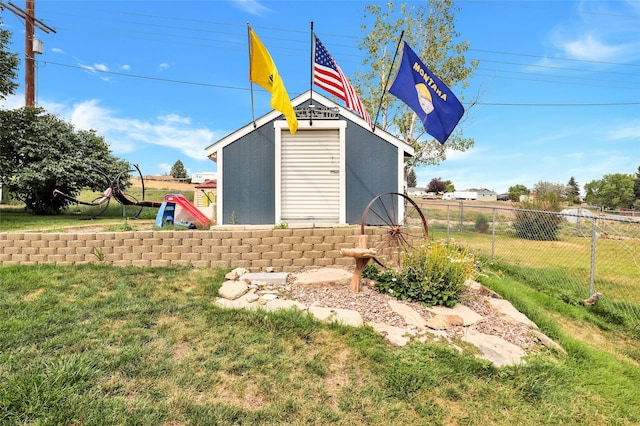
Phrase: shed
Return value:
(326, 173)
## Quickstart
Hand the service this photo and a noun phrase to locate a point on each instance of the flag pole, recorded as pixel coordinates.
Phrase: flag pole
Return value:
(386, 83)
(311, 78)
(253, 116)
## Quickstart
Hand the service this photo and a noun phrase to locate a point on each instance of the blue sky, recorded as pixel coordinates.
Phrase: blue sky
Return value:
(558, 84)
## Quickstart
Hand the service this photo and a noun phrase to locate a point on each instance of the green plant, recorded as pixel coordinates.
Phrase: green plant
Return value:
(281, 225)
(432, 274)
(482, 223)
(233, 219)
(98, 253)
(537, 220)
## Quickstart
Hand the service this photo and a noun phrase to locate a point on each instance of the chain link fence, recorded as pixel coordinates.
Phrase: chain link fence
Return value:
(582, 257)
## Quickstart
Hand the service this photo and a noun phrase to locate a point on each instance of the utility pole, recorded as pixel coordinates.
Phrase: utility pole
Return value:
(31, 23)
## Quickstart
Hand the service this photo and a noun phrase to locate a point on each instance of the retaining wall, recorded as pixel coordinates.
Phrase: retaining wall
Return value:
(285, 250)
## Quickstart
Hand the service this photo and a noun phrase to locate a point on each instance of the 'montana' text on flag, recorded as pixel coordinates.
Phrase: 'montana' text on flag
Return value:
(263, 71)
(433, 102)
(328, 75)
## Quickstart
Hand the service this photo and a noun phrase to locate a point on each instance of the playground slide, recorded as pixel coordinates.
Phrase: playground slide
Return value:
(172, 200)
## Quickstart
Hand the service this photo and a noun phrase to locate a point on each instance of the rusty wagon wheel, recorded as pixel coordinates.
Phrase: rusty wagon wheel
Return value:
(403, 223)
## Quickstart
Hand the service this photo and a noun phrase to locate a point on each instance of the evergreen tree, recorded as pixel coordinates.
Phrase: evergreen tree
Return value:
(572, 191)
(412, 179)
(178, 171)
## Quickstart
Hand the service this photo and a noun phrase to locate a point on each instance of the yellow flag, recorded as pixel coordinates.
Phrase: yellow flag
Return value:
(263, 72)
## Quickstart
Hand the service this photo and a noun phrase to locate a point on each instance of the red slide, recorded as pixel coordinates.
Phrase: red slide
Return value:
(179, 200)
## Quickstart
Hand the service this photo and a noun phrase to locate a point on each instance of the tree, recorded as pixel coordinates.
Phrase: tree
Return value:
(40, 152)
(412, 179)
(448, 186)
(572, 191)
(436, 185)
(516, 191)
(613, 191)
(636, 186)
(178, 171)
(430, 31)
(9, 63)
(549, 191)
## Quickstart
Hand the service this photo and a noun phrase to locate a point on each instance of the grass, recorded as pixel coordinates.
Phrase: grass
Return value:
(94, 344)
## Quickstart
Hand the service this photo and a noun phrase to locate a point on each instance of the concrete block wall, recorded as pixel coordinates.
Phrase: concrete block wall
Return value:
(286, 250)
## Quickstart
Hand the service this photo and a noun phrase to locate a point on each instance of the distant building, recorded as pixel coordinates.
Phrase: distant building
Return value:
(203, 176)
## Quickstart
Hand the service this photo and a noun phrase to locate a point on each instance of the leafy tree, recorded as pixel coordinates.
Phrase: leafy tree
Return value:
(178, 171)
(40, 152)
(436, 185)
(9, 63)
(613, 191)
(430, 31)
(516, 191)
(537, 219)
(636, 185)
(448, 186)
(572, 191)
(549, 191)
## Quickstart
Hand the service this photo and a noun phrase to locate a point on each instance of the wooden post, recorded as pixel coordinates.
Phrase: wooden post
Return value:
(362, 255)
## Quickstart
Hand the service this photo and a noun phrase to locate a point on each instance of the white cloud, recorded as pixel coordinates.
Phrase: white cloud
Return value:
(125, 67)
(174, 118)
(252, 7)
(163, 66)
(589, 47)
(57, 50)
(626, 131)
(127, 135)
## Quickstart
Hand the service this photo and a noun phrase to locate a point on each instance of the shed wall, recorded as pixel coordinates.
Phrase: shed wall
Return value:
(371, 169)
(248, 184)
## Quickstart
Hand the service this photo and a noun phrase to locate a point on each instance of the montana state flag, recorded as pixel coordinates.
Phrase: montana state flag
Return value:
(264, 73)
(433, 102)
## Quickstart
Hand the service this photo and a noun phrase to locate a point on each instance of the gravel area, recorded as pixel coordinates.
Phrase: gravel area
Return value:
(373, 307)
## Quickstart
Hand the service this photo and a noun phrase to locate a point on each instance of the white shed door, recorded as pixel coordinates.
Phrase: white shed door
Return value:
(310, 176)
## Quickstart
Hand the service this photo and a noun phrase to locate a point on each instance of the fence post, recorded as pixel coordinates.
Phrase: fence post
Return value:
(592, 274)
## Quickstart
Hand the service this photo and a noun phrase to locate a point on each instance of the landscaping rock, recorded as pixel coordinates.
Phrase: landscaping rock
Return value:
(232, 290)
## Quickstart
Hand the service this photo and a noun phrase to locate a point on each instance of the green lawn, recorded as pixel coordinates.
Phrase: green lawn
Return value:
(99, 345)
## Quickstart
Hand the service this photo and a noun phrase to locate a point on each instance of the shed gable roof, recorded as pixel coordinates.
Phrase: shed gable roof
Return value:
(297, 101)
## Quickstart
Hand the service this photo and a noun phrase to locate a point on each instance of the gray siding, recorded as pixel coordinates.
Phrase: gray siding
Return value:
(371, 169)
(249, 178)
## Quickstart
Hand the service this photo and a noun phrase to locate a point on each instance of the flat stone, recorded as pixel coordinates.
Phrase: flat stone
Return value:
(469, 317)
(269, 296)
(438, 322)
(509, 313)
(276, 304)
(323, 277)
(265, 277)
(344, 316)
(243, 302)
(395, 335)
(233, 289)
(408, 313)
(494, 349)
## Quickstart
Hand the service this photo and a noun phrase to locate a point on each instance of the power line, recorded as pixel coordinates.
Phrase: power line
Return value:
(218, 86)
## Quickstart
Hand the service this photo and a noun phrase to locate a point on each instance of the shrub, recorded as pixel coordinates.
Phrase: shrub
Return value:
(537, 220)
(432, 274)
(482, 223)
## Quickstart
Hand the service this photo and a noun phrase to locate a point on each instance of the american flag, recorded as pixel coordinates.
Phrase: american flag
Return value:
(328, 75)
